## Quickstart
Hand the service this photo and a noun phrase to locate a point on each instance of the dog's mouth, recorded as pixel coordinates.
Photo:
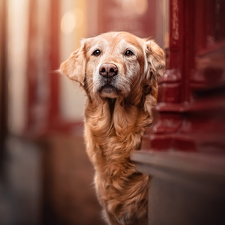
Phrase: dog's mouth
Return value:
(108, 88)
(109, 91)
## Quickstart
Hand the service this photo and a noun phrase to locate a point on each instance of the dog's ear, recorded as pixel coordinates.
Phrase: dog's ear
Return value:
(74, 67)
(155, 58)
(155, 67)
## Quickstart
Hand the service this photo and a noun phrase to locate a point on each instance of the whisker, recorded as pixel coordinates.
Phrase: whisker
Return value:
(91, 185)
(90, 86)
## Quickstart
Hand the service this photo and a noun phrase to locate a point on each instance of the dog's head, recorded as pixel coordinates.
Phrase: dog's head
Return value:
(115, 64)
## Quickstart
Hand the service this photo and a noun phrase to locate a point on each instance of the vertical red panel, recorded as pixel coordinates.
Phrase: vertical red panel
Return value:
(172, 89)
(54, 59)
(43, 108)
(32, 64)
(200, 25)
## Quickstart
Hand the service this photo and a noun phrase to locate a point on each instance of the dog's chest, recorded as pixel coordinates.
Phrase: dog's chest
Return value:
(111, 136)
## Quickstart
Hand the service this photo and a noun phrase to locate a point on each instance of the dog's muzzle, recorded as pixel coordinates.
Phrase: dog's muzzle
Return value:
(108, 73)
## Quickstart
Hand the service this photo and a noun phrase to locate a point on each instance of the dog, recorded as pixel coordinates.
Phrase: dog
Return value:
(119, 72)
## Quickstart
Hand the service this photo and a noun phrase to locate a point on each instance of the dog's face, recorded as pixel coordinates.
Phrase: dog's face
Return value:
(114, 64)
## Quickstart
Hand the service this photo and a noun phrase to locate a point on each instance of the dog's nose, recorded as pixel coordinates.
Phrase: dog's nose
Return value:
(108, 70)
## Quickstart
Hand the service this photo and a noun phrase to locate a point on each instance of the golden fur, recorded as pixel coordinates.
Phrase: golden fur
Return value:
(116, 117)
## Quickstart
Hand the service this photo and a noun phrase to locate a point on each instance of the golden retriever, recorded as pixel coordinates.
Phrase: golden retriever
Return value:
(118, 71)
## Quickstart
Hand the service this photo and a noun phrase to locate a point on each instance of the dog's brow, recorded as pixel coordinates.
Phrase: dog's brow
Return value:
(99, 44)
(124, 44)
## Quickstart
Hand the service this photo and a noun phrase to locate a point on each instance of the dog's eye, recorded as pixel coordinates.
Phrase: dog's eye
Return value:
(129, 53)
(96, 52)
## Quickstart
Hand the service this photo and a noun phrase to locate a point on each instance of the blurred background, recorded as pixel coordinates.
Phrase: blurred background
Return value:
(45, 175)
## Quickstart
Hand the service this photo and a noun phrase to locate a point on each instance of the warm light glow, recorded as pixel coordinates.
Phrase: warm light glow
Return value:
(140, 6)
(17, 28)
(68, 22)
(72, 19)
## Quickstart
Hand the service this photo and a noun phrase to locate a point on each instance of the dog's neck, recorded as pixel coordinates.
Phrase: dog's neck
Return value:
(111, 102)
(116, 117)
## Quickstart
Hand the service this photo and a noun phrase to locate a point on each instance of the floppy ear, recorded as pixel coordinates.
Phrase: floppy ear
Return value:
(155, 68)
(156, 59)
(74, 67)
